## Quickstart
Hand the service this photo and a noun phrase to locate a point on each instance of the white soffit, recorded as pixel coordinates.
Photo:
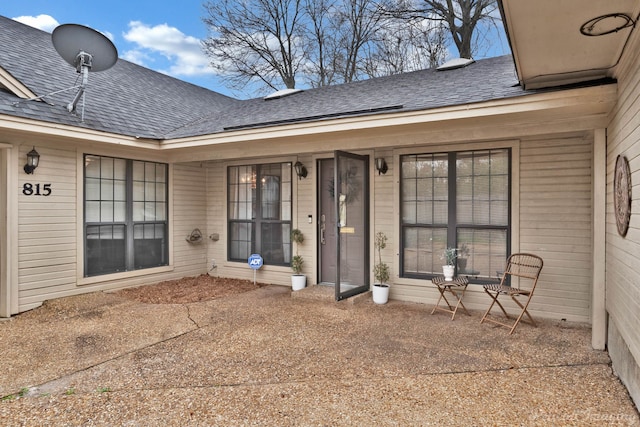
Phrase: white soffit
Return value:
(549, 48)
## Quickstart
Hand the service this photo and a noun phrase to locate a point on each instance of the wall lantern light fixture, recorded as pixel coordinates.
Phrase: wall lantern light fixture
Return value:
(33, 158)
(381, 165)
(301, 171)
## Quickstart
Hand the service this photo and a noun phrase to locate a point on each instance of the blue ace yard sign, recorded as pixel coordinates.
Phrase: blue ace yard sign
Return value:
(255, 262)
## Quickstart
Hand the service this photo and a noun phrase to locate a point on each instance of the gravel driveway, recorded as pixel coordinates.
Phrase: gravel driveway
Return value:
(265, 358)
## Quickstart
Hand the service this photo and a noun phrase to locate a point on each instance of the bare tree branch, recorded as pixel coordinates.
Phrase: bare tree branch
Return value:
(271, 44)
(255, 40)
(461, 16)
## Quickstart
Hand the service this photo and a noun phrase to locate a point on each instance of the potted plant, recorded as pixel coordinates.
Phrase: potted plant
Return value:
(380, 272)
(448, 270)
(298, 280)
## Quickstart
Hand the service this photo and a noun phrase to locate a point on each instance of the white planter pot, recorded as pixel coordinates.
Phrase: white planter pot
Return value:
(298, 281)
(448, 271)
(380, 293)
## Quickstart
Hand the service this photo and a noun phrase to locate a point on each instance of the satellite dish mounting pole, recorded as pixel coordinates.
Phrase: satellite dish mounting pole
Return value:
(83, 65)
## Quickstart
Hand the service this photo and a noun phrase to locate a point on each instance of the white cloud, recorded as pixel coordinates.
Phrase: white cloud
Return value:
(42, 22)
(48, 23)
(137, 57)
(183, 52)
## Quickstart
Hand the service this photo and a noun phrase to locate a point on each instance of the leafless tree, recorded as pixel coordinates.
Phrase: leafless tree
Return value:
(462, 18)
(342, 36)
(357, 24)
(403, 46)
(267, 44)
(256, 40)
(322, 51)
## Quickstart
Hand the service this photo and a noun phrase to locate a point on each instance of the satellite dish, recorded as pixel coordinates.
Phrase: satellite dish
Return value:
(70, 40)
(85, 49)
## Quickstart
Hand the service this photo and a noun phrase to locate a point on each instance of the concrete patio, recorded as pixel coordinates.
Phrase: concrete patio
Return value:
(265, 358)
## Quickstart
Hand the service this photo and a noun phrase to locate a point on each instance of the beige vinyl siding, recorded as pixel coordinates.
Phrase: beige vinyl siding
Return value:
(555, 223)
(189, 213)
(623, 253)
(303, 206)
(382, 216)
(216, 215)
(47, 227)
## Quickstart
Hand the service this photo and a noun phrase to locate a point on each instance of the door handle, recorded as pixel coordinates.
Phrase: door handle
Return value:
(322, 228)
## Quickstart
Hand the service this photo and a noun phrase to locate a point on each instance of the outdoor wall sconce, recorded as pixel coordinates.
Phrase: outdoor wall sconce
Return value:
(381, 165)
(301, 171)
(33, 158)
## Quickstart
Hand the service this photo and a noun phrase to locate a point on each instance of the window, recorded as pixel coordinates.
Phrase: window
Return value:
(259, 212)
(125, 215)
(461, 200)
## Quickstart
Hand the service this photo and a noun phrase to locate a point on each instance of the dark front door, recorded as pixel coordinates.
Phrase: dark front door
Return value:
(351, 207)
(343, 223)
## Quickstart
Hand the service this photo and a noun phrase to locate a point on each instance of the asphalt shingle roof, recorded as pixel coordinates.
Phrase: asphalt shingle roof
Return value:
(132, 100)
(484, 80)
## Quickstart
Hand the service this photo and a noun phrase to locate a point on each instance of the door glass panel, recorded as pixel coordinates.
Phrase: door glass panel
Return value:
(327, 224)
(351, 180)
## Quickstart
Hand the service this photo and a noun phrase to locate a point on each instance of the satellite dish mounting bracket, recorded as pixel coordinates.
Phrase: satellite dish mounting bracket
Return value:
(83, 66)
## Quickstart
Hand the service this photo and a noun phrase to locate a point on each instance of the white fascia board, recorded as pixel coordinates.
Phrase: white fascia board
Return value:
(14, 85)
(18, 125)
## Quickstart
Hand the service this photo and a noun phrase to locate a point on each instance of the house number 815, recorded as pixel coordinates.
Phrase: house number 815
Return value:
(29, 189)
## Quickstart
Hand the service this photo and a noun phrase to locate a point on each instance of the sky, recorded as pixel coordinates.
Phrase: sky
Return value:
(161, 35)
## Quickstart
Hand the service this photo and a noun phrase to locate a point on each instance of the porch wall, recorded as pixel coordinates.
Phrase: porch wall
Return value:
(49, 228)
(189, 212)
(383, 216)
(303, 205)
(623, 253)
(556, 223)
(46, 229)
(553, 175)
(554, 211)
